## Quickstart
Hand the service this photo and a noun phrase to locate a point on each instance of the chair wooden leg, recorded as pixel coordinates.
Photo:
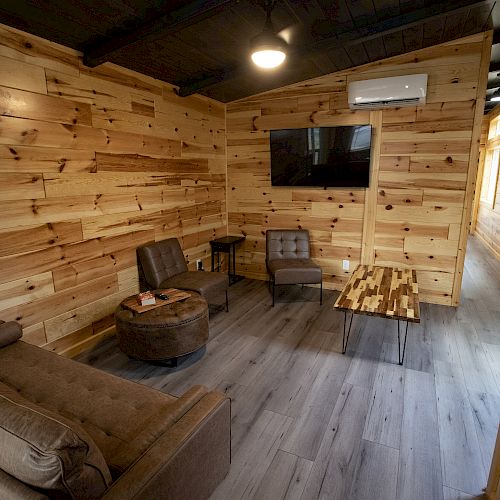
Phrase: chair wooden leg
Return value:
(274, 287)
(227, 303)
(321, 293)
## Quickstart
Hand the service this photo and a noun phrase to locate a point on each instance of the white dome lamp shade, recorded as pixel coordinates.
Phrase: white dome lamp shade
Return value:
(268, 50)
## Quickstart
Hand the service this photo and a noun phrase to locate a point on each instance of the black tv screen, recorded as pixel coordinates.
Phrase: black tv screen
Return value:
(322, 156)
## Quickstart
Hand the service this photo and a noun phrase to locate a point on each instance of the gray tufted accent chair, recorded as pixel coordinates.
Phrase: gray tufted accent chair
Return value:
(288, 259)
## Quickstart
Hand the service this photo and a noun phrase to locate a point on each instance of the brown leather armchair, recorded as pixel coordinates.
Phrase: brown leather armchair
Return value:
(288, 259)
(163, 266)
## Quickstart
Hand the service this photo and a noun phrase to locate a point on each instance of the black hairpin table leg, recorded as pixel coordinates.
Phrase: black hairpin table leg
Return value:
(344, 338)
(402, 356)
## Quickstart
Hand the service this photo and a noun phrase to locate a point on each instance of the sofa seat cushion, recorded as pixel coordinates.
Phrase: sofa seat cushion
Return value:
(210, 285)
(292, 271)
(47, 451)
(116, 413)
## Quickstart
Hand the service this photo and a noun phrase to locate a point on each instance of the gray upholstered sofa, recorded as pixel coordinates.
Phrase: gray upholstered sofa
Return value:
(70, 431)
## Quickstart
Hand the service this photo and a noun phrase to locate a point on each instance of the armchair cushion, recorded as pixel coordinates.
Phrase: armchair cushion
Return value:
(287, 244)
(208, 284)
(161, 260)
(47, 451)
(293, 271)
(9, 332)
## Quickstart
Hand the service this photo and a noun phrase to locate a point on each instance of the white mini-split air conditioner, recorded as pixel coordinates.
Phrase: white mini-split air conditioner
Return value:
(395, 91)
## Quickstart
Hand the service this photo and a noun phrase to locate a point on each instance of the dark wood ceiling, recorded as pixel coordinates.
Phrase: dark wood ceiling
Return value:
(203, 45)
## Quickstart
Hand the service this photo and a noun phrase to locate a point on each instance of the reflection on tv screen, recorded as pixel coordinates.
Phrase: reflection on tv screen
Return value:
(321, 156)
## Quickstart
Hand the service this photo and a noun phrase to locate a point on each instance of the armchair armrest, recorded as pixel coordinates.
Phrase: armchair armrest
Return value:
(188, 461)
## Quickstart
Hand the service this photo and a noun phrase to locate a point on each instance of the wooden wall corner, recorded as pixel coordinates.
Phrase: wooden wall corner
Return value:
(473, 166)
(370, 210)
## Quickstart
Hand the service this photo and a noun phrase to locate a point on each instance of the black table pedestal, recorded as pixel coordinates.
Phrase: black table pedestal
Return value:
(227, 244)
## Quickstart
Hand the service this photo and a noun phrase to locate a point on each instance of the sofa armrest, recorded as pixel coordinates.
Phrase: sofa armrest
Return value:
(10, 331)
(188, 461)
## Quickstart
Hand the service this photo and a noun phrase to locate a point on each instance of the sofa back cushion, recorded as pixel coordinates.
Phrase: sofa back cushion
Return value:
(47, 451)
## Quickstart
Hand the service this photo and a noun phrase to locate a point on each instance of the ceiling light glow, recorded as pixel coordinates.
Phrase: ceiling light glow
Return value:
(268, 58)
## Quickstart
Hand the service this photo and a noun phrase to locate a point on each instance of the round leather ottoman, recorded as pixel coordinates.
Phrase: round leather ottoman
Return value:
(164, 333)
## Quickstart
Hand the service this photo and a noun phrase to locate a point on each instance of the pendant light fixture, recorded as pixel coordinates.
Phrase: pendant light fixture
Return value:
(495, 96)
(268, 50)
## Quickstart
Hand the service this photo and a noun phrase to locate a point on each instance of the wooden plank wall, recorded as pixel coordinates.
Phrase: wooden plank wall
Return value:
(487, 217)
(416, 212)
(94, 163)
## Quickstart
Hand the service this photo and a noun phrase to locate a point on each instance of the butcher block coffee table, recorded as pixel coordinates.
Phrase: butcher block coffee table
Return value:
(388, 292)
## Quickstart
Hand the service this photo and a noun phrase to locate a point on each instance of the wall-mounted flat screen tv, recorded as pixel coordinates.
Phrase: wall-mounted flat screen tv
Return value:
(321, 157)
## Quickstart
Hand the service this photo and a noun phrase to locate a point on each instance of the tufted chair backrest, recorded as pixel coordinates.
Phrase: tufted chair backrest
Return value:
(161, 260)
(287, 244)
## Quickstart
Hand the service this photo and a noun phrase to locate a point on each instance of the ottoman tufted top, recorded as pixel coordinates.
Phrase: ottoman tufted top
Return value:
(167, 316)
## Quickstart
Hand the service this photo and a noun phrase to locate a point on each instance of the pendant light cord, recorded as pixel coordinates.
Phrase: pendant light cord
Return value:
(270, 4)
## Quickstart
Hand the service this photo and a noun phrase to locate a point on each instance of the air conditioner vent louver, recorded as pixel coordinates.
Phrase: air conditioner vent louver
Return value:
(391, 92)
(396, 103)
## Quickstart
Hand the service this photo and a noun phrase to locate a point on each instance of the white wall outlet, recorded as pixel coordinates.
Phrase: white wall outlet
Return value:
(199, 265)
(345, 265)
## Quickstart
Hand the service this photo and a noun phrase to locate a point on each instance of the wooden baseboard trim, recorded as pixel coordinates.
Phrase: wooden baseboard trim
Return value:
(487, 244)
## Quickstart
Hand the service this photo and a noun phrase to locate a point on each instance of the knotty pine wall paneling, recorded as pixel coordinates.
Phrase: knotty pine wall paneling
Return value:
(486, 216)
(93, 163)
(416, 212)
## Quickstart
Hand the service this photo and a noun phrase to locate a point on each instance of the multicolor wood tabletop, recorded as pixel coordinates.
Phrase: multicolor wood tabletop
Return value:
(382, 291)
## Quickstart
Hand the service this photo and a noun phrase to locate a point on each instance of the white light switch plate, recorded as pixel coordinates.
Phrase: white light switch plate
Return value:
(345, 265)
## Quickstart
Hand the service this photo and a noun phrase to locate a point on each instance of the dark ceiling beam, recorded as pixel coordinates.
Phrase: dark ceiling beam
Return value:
(494, 67)
(166, 24)
(355, 37)
(496, 37)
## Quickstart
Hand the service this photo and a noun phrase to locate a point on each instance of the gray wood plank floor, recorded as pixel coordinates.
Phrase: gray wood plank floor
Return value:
(308, 422)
